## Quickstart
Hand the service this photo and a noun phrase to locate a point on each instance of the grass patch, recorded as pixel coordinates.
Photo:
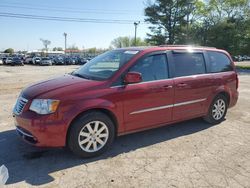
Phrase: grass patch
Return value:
(246, 67)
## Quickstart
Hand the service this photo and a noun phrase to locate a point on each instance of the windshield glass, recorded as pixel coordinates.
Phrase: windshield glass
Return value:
(105, 65)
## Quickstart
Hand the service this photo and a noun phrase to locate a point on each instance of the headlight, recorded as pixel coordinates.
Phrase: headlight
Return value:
(44, 106)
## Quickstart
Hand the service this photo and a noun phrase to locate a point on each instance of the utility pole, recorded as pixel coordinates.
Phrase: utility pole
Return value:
(65, 41)
(136, 24)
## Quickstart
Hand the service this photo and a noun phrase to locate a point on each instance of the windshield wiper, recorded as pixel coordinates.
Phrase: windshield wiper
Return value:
(80, 76)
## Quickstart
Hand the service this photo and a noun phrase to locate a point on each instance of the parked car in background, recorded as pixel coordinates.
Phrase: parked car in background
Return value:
(246, 58)
(124, 91)
(7, 60)
(45, 61)
(70, 61)
(36, 60)
(28, 60)
(82, 61)
(1, 61)
(17, 61)
(59, 61)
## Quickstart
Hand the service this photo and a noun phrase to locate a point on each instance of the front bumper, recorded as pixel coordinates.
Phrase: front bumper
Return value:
(41, 131)
(27, 136)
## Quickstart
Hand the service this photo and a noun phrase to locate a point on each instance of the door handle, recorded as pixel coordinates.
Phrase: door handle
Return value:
(182, 85)
(167, 87)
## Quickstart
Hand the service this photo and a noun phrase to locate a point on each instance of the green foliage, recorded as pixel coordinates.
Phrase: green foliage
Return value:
(73, 47)
(220, 23)
(167, 18)
(57, 49)
(245, 67)
(122, 42)
(9, 50)
(92, 50)
(95, 50)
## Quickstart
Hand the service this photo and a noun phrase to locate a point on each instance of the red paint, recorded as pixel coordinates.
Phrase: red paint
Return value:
(78, 95)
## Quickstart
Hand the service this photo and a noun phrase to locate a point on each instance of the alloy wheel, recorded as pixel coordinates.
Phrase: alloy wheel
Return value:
(93, 136)
(219, 109)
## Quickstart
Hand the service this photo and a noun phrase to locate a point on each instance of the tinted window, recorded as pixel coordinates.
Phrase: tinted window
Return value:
(152, 68)
(219, 62)
(187, 64)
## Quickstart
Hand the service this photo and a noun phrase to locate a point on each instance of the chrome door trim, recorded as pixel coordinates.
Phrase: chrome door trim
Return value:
(189, 102)
(152, 109)
(167, 106)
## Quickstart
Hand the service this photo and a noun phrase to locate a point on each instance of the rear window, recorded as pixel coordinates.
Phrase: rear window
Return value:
(187, 64)
(219, 62)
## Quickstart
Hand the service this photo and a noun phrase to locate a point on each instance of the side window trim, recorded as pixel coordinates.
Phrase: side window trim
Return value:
(171, 61)
(207, 62)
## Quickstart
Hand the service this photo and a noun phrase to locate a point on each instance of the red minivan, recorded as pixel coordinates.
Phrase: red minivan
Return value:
(124, 91)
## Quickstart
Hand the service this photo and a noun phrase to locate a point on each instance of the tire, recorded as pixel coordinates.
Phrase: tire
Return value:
(221, 112)
(82, 131)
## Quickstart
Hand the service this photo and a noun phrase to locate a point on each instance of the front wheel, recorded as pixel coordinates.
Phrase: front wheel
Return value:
(217, 110)
(91, 134)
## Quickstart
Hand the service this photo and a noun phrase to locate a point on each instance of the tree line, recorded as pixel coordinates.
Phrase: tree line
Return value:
(219, 23)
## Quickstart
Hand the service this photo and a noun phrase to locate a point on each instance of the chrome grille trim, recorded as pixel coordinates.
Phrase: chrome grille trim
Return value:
(20, 104)
(24, 133)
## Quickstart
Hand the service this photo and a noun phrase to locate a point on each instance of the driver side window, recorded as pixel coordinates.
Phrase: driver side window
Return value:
(152, 68)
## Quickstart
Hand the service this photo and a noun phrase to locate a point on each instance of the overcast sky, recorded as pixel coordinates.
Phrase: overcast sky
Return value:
(25, 34)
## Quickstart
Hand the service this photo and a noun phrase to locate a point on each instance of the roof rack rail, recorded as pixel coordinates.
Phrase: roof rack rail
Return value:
(173, 45)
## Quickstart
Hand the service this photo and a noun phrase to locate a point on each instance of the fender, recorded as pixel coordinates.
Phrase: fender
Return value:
(214, 93)
(91, 104)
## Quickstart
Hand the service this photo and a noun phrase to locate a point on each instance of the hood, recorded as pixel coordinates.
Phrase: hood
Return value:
(63, 83)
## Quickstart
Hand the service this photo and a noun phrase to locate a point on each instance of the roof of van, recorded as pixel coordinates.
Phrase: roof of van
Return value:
(189, 48)
(140, 48)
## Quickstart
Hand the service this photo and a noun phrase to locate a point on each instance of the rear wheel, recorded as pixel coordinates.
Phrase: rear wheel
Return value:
(217, 110)
(91, 134)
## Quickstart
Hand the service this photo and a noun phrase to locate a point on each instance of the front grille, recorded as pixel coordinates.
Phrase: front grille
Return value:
(20, 104)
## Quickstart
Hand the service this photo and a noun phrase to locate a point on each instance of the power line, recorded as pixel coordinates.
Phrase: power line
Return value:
(66, 10)
(65, 19)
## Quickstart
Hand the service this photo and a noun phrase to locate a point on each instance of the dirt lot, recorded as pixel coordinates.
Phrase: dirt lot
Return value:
(188, 154)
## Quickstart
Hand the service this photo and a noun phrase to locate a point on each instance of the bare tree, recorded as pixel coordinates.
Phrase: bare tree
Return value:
(46, 43)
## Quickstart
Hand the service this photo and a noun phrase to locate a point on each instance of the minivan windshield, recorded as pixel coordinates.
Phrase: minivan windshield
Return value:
(105, 65)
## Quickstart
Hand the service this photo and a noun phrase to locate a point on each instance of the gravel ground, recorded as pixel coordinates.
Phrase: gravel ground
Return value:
(188, 154)
(244, 63)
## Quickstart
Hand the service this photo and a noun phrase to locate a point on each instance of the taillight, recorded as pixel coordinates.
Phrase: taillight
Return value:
(237, 81)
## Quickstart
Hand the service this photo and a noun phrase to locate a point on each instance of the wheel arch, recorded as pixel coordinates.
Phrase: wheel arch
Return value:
(220, 91)
(225, 94)
(107, 112)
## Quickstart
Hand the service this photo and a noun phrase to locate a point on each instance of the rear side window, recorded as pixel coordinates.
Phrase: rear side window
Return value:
(187, 64)
(152, 67)
(219, 62)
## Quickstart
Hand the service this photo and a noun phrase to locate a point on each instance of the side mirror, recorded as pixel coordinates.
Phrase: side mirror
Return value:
(132, 77)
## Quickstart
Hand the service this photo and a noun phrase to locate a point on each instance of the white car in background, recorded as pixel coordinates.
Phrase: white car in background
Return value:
(45, 61)
(36, 60)
(28, 60)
